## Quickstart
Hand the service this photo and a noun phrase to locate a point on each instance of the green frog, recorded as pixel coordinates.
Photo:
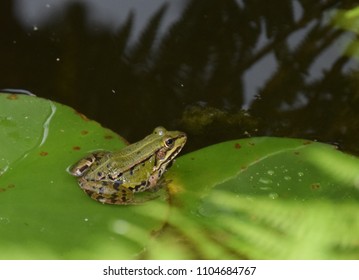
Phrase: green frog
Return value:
(114, 177)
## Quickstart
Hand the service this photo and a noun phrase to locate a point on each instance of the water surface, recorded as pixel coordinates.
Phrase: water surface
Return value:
(218, 70)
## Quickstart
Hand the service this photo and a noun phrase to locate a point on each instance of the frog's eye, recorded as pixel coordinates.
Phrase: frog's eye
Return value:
(169, 142)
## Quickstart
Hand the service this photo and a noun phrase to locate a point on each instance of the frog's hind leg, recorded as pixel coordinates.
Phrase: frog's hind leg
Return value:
(81, 167)
(123, 196)
(106, 191)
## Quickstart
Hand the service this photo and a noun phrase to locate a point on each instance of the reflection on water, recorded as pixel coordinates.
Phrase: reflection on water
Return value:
(134, 65)
(111, 14)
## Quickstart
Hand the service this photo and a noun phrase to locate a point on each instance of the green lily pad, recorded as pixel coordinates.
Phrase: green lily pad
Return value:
(43, 212)
(258, 198)
(270, 198)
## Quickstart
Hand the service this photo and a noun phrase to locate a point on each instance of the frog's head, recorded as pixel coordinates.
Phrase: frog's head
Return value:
(171, 143)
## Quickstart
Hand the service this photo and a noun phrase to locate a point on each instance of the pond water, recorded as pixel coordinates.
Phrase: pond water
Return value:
(218, 70)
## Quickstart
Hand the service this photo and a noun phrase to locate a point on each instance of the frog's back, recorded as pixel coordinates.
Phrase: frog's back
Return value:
(126, 158)
(133, 154)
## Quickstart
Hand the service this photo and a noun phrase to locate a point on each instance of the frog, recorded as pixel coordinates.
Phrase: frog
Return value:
(113, 177)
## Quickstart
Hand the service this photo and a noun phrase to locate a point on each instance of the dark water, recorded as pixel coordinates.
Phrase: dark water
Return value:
(218, 70)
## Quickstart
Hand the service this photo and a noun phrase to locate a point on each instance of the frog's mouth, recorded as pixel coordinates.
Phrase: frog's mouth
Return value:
(183, 138)
(171, 159)
(175, 153)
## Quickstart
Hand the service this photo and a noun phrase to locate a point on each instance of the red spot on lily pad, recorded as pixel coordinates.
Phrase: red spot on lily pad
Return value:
(2, 190)
(76, 148)
(315, 186)
(84, 132)
(82, 116)
(43, 153)
(237, 146)
(12, 97)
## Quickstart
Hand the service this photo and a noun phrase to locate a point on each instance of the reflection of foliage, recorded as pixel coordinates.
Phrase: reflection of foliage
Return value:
(203, 57)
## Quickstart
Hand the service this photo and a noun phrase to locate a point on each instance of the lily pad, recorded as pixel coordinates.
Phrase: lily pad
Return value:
(271, 198)
(43, 212)
(257, 198)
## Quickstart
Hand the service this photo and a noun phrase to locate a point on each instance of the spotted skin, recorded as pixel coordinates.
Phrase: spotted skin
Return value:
(114, 177)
